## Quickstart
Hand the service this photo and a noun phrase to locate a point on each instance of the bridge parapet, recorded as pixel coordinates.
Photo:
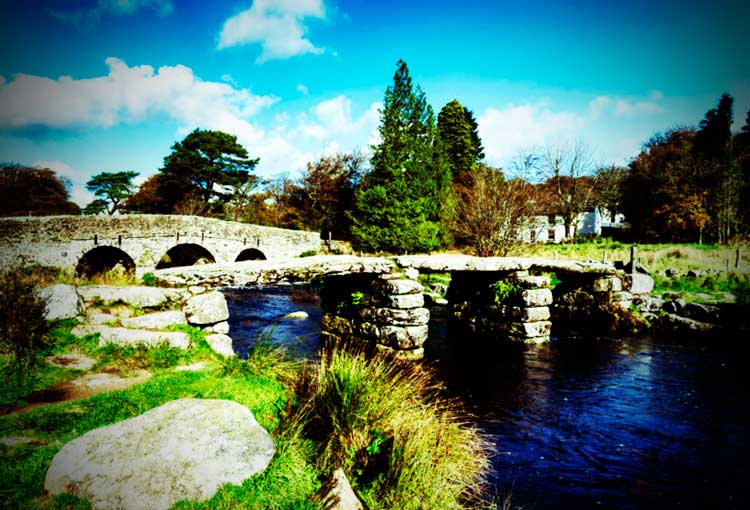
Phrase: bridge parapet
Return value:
(62, 240)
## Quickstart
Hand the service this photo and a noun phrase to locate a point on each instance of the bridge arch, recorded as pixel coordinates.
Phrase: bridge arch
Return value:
(187, 254)
(250, 254)
(102, 259)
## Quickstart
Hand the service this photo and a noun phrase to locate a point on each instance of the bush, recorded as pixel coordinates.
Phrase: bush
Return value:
(23, 328)
(385, 423)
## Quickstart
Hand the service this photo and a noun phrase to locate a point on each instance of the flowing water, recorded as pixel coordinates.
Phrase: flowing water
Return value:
(621, 424)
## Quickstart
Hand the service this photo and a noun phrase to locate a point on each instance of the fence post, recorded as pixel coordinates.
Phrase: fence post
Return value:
(633, 259)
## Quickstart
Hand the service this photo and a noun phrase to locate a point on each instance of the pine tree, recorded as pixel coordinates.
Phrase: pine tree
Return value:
(398, 206)
(459, 134)
(712, 149)
(475, 139)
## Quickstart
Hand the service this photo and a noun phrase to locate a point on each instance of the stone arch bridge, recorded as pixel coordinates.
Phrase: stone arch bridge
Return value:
(145, 242)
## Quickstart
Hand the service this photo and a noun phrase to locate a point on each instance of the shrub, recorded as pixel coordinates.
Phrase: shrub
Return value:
(385, 423)
(23, 328)
(149, 280)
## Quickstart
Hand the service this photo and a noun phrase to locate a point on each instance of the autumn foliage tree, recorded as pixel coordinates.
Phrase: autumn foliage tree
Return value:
(326, 193)
(492, 211)
(28, 191)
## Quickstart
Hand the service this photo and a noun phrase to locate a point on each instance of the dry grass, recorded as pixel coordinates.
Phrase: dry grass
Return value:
(655, 257)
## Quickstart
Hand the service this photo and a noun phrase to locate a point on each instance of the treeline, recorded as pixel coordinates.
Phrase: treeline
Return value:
(691, 184)
(426, 185)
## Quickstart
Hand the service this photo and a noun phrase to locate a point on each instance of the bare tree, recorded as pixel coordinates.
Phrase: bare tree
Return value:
(492, 211)
(569, 180)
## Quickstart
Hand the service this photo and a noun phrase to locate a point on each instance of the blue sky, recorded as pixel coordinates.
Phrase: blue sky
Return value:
(103, 85)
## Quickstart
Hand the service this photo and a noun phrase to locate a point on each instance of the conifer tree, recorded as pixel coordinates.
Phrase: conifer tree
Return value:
(398, 206)
(475, 139)
(717, 173)
(455, 133)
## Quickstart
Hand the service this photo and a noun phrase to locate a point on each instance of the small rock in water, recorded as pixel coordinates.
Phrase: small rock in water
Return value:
(299, 314)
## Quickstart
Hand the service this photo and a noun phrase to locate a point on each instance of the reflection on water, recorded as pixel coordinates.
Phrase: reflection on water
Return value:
(260, 311)
(624, 424)
(637, 423)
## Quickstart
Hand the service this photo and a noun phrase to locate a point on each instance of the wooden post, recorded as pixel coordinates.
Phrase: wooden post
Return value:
(633, 259)
(604, 257)
(729, 262)
(737, 258)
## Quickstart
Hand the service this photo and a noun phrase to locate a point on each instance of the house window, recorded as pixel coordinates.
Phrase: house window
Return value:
(533, 236)
(551, 234)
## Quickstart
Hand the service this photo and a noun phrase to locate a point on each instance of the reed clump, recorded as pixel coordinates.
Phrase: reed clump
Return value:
(387, 424)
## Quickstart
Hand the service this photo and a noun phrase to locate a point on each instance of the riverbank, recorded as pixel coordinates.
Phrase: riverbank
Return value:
(400, 443)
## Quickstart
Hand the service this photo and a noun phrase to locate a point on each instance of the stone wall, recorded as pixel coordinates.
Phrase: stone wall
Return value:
(382, 313)
(62, 240)
(504, 305)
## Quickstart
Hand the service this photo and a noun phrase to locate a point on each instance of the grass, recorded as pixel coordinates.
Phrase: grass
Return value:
(656, 257)
(708, 289)
(401, 443)
(48, 275)
(386, 424)
(289, 482)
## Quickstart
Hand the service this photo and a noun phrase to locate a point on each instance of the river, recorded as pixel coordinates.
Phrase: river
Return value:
(578, 424)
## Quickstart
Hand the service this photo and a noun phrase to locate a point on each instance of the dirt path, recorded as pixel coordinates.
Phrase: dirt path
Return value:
(83, 387)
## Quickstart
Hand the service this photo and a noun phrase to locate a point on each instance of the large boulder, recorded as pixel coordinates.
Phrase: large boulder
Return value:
(185, 449)
(63, 302)
(125, 336)
(208, 308)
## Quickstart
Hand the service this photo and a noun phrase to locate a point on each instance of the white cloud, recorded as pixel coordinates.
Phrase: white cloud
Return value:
(622, 107)
(332, 121)
(284, 143)
(78, 192)
(92, 15)
(277, 25)
(124, 94)
(507, 131)
(302, 88)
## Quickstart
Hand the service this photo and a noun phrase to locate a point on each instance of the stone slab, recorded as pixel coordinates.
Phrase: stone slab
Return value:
(443, 263)
(125, 336)
(395, 316)
(63, 302)
(397, 287)
(221, 344)
(402, 302)
(158, 320)
(536, 297)
(403, 337)
(610, 284)
(141, 297)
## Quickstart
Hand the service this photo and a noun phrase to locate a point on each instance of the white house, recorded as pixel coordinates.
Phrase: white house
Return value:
(550, 228)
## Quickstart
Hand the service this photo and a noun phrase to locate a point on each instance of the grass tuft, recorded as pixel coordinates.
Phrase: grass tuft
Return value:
(386, 424)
